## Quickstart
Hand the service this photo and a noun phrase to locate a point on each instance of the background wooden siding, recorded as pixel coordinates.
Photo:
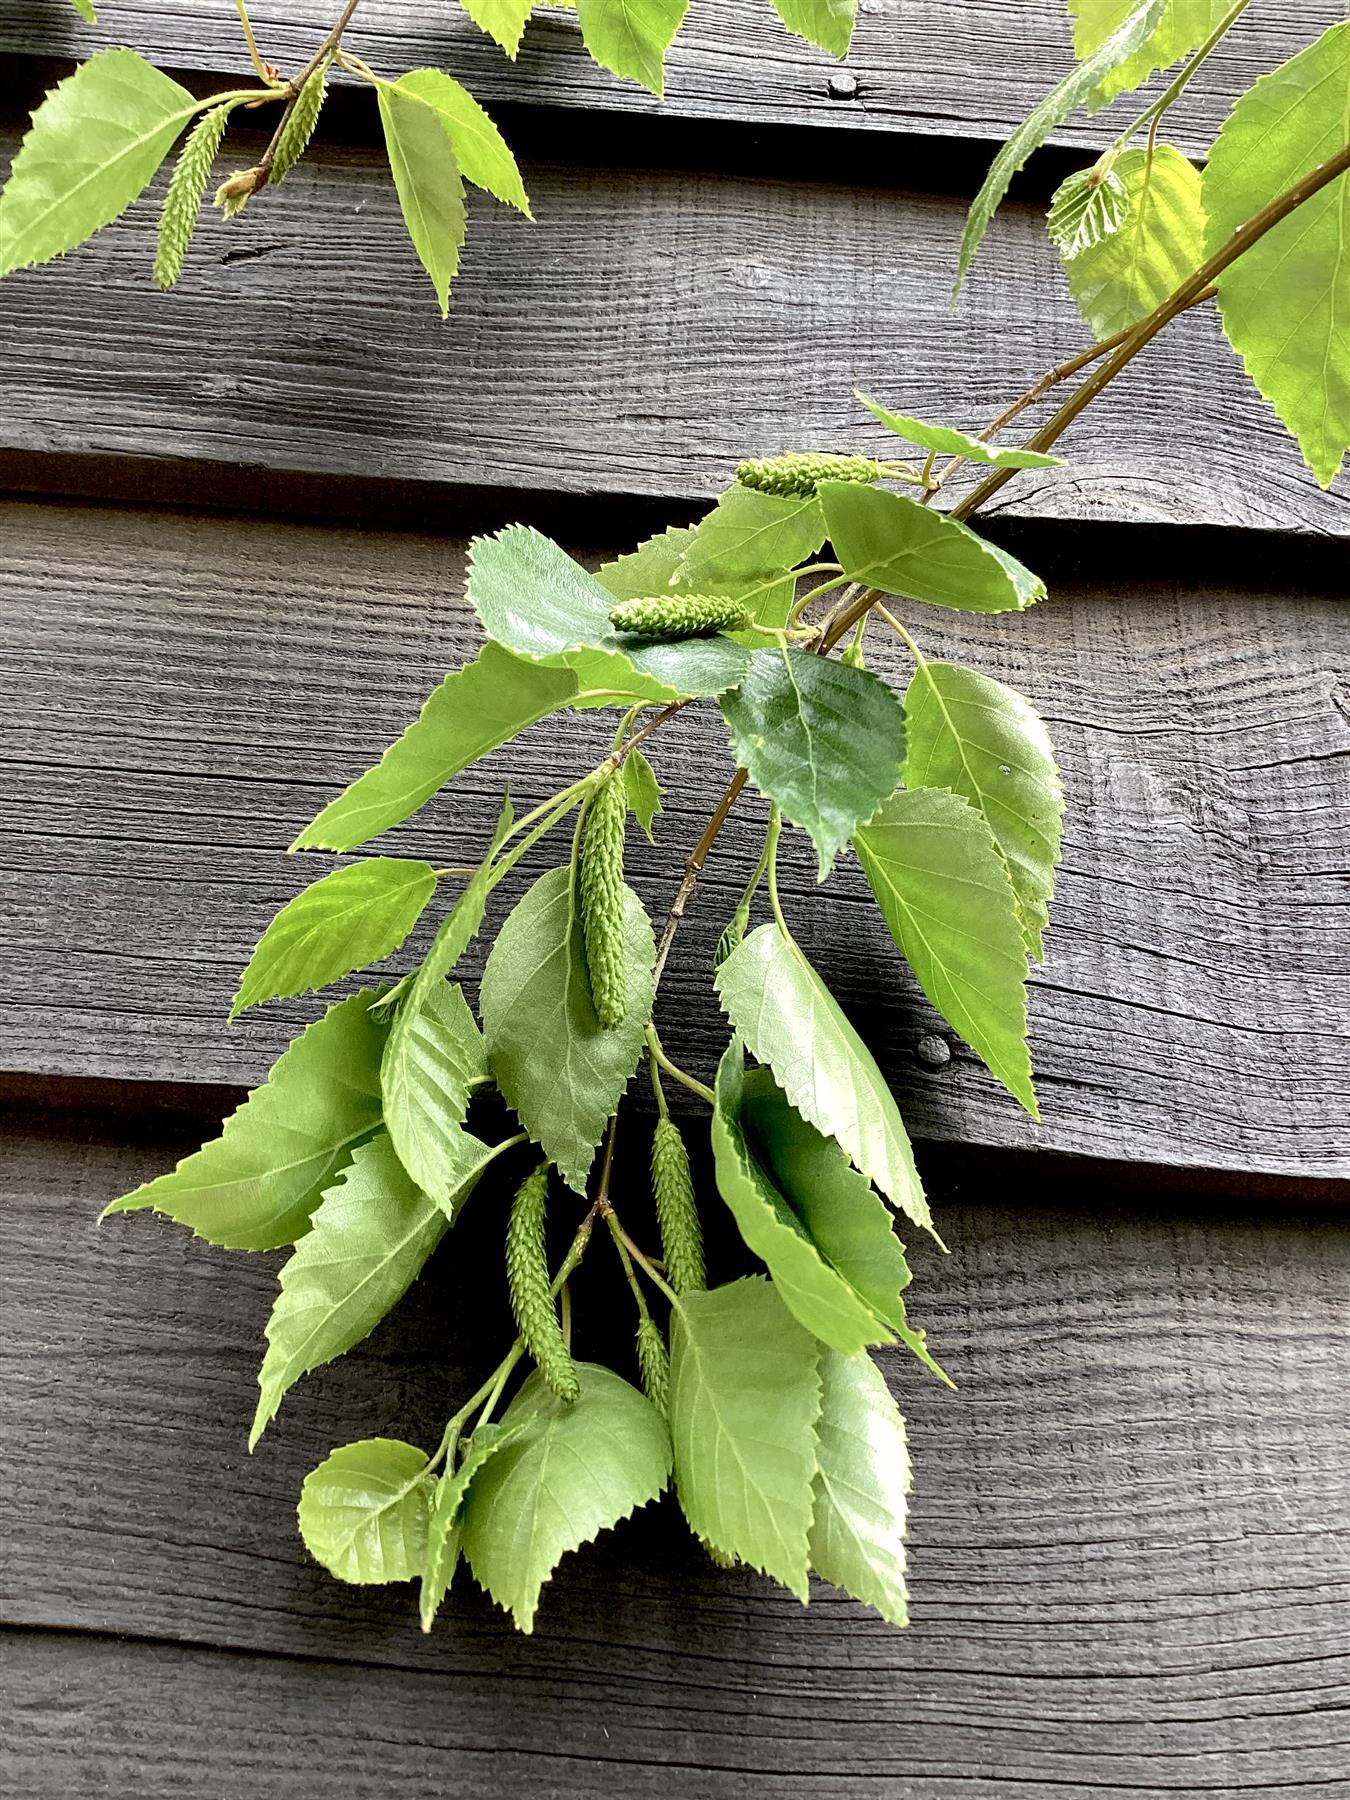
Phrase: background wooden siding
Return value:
(1130, 1529)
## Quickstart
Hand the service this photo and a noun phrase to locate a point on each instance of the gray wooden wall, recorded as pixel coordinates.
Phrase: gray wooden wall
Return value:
(232, 535)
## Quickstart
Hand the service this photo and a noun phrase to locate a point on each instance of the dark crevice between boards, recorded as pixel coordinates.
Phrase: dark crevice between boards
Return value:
(179, 1115)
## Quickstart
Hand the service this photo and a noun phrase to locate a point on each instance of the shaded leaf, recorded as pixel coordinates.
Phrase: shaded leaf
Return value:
(562, 1071)
(744, 1400)
(445, 1528)
(946, 442)
(430, 189)
(631, 37)
(891, 542)
(1159, 242)
(363, 1511)
(480, 149)
(433, 1060)
(862, 1486)
(643, 790)
(571, 1470)
(255, 1186)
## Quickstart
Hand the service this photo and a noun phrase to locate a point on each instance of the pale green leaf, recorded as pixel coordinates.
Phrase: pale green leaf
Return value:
(1159, 243)
(356, 915)
(643, 790)
(823, 740)
(474, 710)
(814, 1292)
(945, 441)
(255, 1186)
(1183, 27)
(891, 542)
(944, 891)
(744, 1400)
(363, 1511)
(1285, 303)
(480, 149)
(560, 1069)
(503, 20)
(655, 568)
(828, 23)
(862, 1485)
(631, 37)
(1062, 100)
(85, 8)
(95, 142)
(791, 1021)
(367, 1242)
(847, 1221)
(445, 1528)
(750, 536)
(433, 1060)
(572, 1470)
(430, 188)
(1086, 207)
(969, 733)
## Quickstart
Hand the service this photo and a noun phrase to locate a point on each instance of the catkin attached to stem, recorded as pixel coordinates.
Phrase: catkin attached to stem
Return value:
(676, 1210)
(601, 887)
(527, 1278)
(183, 202)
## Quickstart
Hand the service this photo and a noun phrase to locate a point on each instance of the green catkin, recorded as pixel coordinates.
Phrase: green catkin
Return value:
(797, 472)
(679, 616)
(527, 1278)
(653, 1363)
(183, 202)
(601, 886)
(299, 126)
(676, 1212)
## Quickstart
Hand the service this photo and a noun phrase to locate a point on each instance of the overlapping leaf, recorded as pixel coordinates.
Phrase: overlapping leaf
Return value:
(480, 150)
(823, 740)
(1183, 27)
(430, 187)
(445, 1527)
(643, 790)
(1086, 208)
(891, 542)
(434, 1058)
(559, 1068)
(751, 536)
(255, 1186)
(944, 441)
(862, 1484)
(944, 890)
(363, 1511)
(571, 1470)
(1159, 241)
(657, 565)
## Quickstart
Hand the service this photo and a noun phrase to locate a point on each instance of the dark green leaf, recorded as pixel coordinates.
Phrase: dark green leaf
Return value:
(363, 1511)
(862, 1484)
(944, 441)
(889, 541)
(430, 189)
(433, 1060)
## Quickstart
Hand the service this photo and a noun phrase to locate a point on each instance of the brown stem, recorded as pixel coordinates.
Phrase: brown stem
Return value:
(694, 867)
(262, 172)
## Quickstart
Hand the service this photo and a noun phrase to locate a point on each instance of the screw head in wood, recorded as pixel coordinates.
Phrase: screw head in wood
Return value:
(932, 1051)
(842, 85)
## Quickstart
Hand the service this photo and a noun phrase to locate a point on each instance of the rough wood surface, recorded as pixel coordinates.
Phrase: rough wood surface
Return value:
(1130, 1545)
(970, 69)
(651, 329)
(184, 693)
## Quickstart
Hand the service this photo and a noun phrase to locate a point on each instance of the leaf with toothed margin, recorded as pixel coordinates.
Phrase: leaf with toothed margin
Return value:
(363, 1511)
(862, 1486)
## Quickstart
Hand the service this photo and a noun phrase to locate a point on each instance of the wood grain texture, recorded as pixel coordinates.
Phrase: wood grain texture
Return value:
(969, 69)
(650, 330)
(1130, 1545)
(184, 693)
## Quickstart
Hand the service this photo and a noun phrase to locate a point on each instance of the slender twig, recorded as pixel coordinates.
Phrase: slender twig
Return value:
(660, 1060)
(263, 70)
(1174, 90)
(262, 171)
(693, 868)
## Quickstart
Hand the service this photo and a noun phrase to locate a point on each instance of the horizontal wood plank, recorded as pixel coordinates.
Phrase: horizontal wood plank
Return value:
(184, 693)
(1129, 1543)
(651, 329)
(971, 69)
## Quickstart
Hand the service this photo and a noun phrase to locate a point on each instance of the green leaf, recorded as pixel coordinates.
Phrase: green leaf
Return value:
(1087, 207)
(255, 1186)
(1285, 303)
(574, 1469)
(480, 149)
(823, 740)
(445, 1528)
(654, 569)
(474, 710)
(1071, 93)
(891, 542)
(85, 8)
(430, 190)
(750, 535)
(363, 1511)
(944, 441)
(95, 142)
(969, 733)
(535, 598)
(643, 790)
(355, 915)
(828, 23)
(791, 1021)
(944, 891)
(744, 1400)
(631, 37)
(503, 20)
(814, 1292)
(862, 1484)
(560, 1069)
(368, 1239)
(1117, 280)
(847, 1221)
(433, 1060)
(1183, 27)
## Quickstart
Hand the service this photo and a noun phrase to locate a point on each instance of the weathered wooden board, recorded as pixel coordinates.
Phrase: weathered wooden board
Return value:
(971, 69)
(184, 693)
(651, 329)
(1129, 1547)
